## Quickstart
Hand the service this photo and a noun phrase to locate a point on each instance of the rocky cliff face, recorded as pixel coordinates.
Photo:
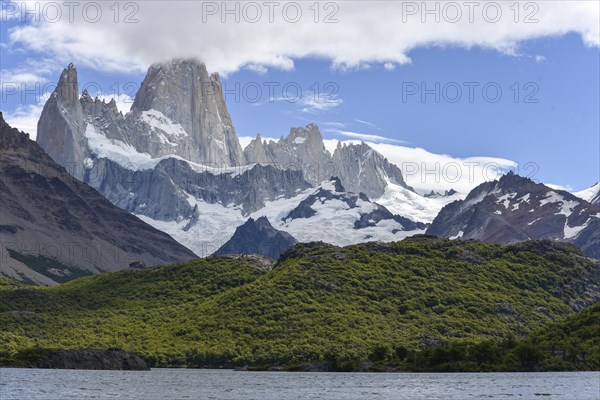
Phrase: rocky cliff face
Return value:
(257, 151)
(181, 94)
(362, 169)
(258, 237)
(179, 110)
(359, 167)
(105, 117)
(53, 226)
(302, 149)
(170, 190)
(516, 209)
(61, 128)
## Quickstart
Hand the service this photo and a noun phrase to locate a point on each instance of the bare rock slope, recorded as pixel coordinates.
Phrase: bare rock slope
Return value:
(54, 227)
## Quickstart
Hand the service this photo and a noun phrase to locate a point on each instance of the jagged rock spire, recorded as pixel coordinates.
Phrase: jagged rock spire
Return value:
(61, 127)
(303, 149)
(182, 91)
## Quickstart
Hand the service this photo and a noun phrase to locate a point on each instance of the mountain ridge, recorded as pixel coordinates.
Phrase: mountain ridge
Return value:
(514, 209)
(176, 162)
(54, 226)
(142, 161)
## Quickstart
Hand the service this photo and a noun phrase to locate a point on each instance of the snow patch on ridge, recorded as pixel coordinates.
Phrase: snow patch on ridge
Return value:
(505, 199)
(129, 158)
(522, 199)
(571, 232)
(590, 193)
(113, 149)
(551, 197)
(458, 235)
(566, 206)
(165, 129)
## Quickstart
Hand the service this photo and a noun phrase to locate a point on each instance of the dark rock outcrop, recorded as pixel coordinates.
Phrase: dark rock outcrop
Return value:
(381, 213)
(258, 237)
(434, 195)
(87, 359)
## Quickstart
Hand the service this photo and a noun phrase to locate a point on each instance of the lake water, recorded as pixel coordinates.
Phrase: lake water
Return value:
(175, 384)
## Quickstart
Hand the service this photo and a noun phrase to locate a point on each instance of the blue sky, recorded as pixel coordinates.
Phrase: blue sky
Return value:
(553, 122)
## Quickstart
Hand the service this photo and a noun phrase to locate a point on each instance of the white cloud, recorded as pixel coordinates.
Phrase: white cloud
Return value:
(366, 33)
(335, 124)
(389, 66)
(20, 78)
(426, 171)
(30, 87)
(259, 69)
(314, 104)
(362, 121)
(364, 136)
(245, 140)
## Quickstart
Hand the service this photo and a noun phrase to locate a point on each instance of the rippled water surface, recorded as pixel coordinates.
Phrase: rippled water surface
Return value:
(224, 384)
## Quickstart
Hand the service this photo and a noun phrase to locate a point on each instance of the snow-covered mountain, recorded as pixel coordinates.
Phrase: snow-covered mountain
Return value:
(515, 209)
(179, 112)
(326, 213)
(359, 167)
(176, 162)
(362, 169)
(591, 194)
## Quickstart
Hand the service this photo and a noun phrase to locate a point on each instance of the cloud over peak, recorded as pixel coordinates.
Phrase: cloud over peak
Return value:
(228, 36)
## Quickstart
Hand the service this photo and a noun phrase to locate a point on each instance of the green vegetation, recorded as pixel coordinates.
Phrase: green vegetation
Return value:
(419, 304)
(573, 343)
(49, 267)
